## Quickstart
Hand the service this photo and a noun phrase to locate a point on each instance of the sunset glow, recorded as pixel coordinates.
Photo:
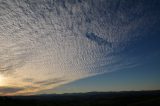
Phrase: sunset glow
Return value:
(2, 80)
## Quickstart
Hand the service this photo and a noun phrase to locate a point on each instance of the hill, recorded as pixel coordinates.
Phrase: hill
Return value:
(129, 98)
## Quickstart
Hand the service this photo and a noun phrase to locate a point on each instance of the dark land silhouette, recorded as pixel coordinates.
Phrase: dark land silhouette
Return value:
(127, 98)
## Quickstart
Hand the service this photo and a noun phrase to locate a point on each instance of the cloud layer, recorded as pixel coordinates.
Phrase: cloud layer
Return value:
(47, 43)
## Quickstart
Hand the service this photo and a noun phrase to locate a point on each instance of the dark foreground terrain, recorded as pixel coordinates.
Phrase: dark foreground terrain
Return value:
(138, 98)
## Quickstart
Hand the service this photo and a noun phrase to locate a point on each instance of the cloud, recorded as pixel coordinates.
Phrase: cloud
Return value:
(49, 82)
(44, 40)
(8, 90)
(98, 40)
(28, 80)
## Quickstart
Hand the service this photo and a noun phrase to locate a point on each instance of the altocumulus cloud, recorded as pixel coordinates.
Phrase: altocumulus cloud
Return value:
(47, 43)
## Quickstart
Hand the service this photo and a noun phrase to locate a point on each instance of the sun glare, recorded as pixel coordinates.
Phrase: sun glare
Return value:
(2, 82)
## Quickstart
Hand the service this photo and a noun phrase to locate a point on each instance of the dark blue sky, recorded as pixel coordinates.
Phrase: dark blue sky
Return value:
(143, 77)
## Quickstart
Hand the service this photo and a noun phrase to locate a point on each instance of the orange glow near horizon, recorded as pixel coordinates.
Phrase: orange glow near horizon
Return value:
(2, 80)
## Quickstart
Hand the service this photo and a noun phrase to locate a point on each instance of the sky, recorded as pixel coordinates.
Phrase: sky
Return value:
(68, 46)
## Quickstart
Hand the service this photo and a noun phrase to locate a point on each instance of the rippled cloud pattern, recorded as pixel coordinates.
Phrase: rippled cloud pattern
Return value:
(47, 43)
